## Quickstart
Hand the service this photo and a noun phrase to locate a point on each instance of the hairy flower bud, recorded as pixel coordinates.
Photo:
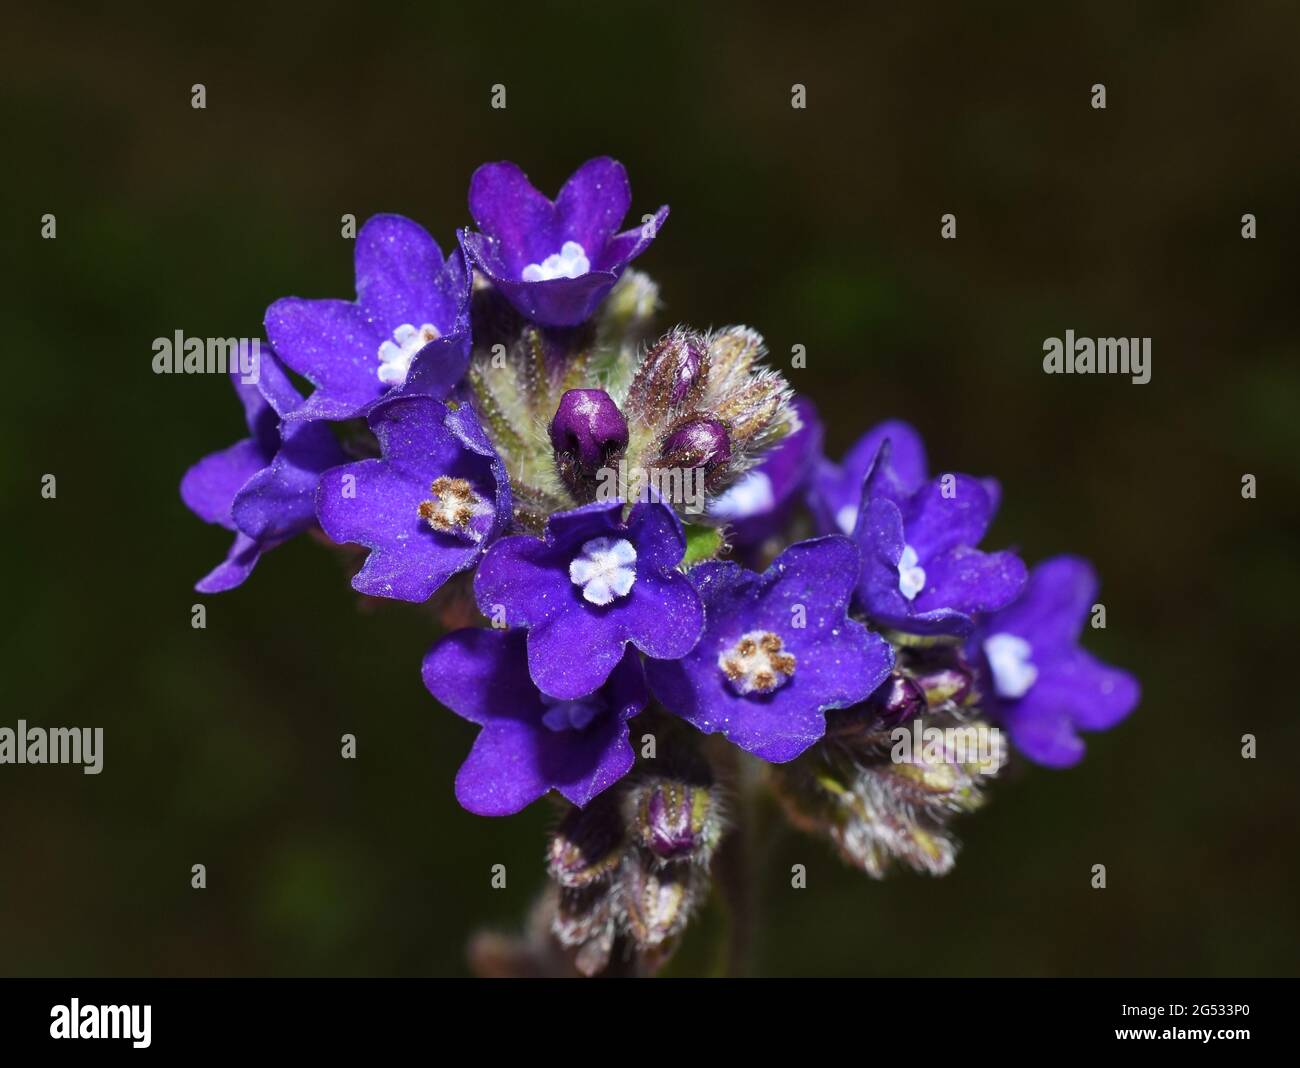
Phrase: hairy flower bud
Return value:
(691, 363)
(587, 845)
(698, 443)
(675, 820)
(889, 795)
(588, 433)
(584, 923)
(658, 899)
(671, 377)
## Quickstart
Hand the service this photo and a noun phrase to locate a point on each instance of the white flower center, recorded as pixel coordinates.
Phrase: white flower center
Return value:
(395, 356)
(847, 518)
(757, 663)
(605, 568)
(752, 495)
(1013, 671)
(911, 578)
(570, 715)
(570, 262)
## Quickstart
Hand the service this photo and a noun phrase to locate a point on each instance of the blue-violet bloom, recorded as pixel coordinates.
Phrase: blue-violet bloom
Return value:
(1040, 684)
(427, 508)
(531, 743)
(593, 585)
(555, 261)
(407, 331)
(778, 651)
(921, 573)
(264, 486)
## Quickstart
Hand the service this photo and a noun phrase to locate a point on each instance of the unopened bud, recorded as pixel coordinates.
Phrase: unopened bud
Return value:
(675, 820)
(698, 443)
(588, 433)
(587, 845)
(941, 685)
(672, 375)
(898, 700)
(658, 899)
(584, 924)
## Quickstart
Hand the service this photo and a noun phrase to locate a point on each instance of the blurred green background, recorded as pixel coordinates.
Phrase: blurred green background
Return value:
(818, 227)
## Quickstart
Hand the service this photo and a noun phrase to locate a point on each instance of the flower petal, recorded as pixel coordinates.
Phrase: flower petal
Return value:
(280, 500)
(571, 653)
(968, 580)
(622, 249)
(517, 220)
(1051, 612)
(397, 270)
(335, 346)
(234, 569)
(1043, 732)
(946, 513)
(592, 204)
(209, 487)
(1094, 695)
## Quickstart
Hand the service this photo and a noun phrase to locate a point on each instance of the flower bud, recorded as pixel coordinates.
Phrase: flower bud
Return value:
(584, 924)
(675, 820)
(588, 433)
(882, 804)
(898, 700)
(672, 376)
(941, 684)
(586, 847)
(659, 900)
(698, 443)
(865, 727)
(689, 365)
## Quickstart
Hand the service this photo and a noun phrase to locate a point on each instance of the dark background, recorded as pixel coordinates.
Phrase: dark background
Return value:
(819, 227)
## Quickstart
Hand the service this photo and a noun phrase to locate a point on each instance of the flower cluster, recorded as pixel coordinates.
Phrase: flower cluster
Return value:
(650, 530)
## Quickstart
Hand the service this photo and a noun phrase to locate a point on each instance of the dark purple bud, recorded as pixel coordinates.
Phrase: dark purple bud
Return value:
(588, 433)
(898, 700)
(675, 820)
(588, 426)
(699, 443)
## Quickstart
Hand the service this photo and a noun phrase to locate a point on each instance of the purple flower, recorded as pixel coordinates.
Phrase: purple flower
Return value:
(428, 508)
(405, 332)
(263, 487)
(593, 585)
(757, 505)
(837, 488)
(555, 261)
(531, 743)
(1040, 683)
(921, 572)
(778, 651)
